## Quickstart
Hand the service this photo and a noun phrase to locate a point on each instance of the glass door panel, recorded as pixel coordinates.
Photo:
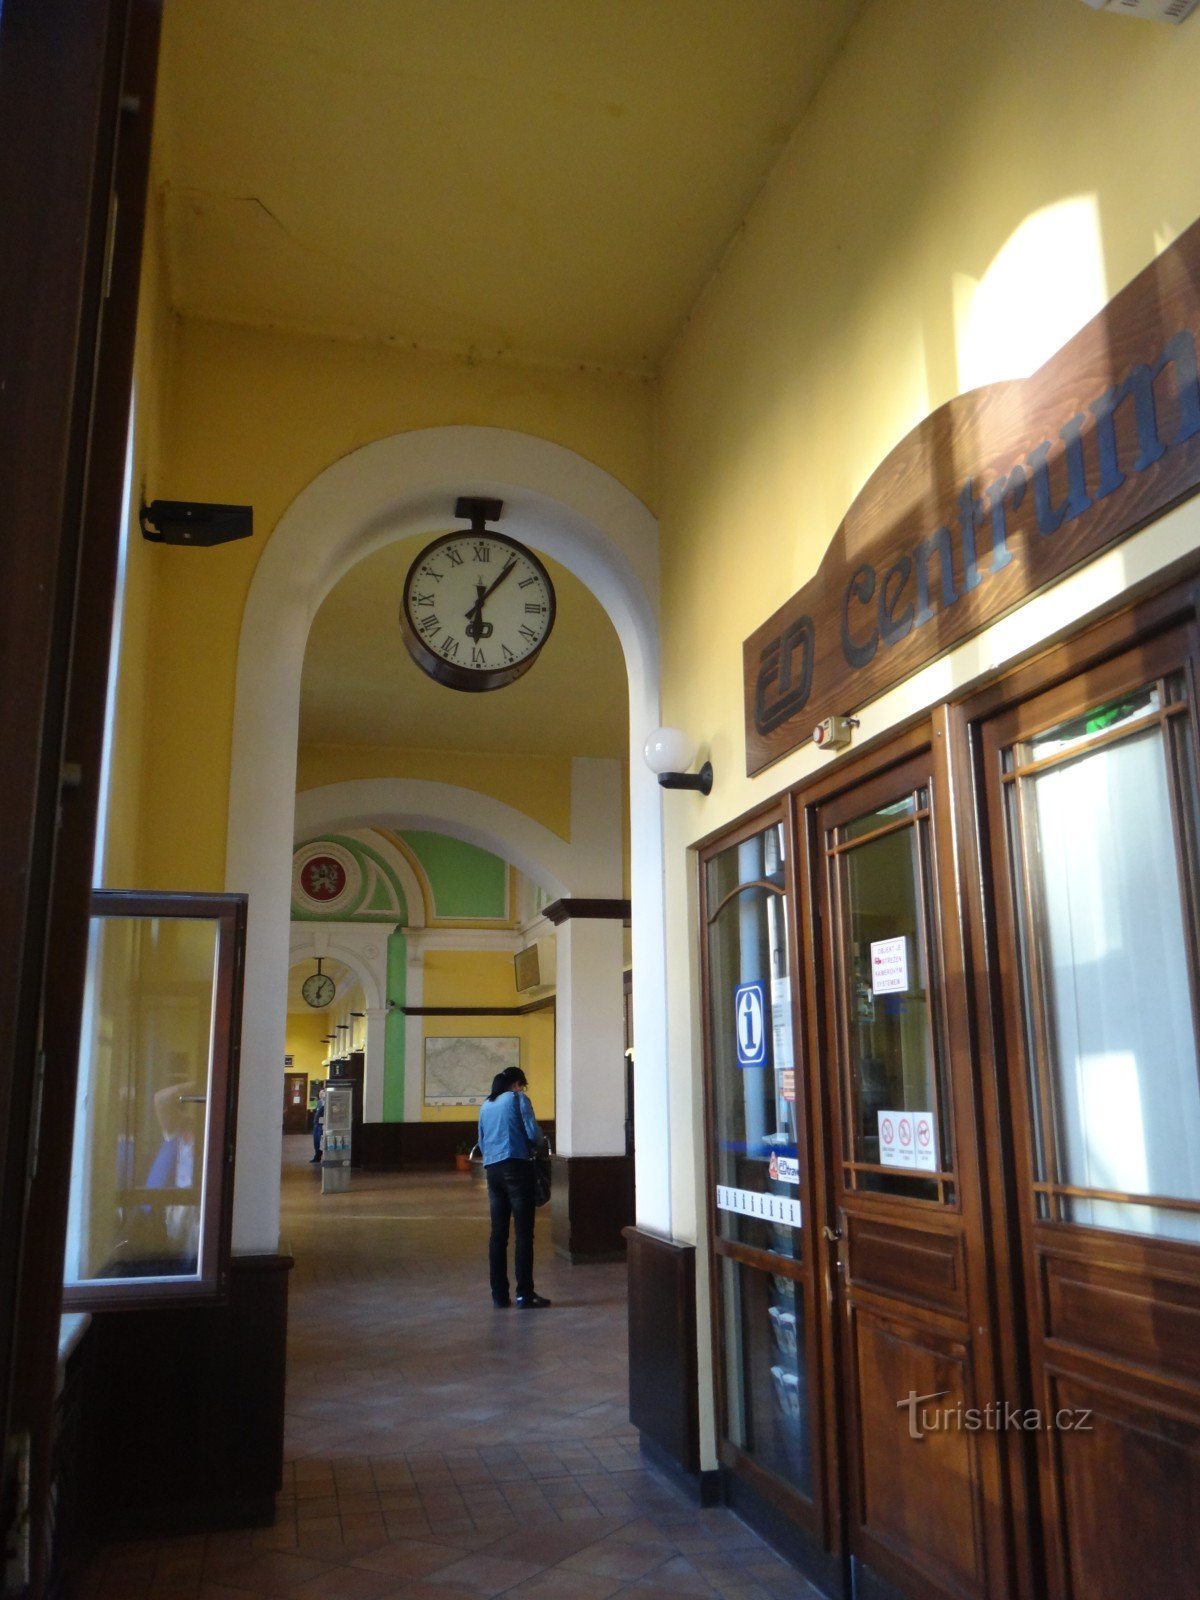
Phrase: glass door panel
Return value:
(896, 1135)
(757, 1165)
(766, 1375)
(1102, 823)
(756, 1155)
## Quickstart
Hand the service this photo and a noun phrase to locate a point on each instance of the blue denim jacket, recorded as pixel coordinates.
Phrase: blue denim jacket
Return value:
(508, 1129)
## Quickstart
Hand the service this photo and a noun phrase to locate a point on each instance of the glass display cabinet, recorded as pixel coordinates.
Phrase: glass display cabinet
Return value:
(152, 1168)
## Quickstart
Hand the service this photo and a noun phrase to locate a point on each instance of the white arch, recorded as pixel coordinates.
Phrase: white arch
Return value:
(319, 939)
(556, 502)
(443, 808)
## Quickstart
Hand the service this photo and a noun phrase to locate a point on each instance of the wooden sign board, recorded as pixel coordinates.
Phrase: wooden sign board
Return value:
(988, 500)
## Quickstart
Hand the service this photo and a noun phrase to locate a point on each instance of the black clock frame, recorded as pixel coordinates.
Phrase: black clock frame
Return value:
(315, 977)
(456, 675)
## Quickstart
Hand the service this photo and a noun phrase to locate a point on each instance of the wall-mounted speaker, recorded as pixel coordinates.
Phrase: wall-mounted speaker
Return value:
(195, 522)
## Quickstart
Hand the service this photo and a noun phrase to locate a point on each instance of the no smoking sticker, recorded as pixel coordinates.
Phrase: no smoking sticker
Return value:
(906, 1139)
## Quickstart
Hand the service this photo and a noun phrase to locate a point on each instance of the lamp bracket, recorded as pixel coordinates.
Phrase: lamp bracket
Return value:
(701, 781)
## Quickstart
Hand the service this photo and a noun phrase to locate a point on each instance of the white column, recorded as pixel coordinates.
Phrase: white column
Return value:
(373, 1064)
(414, 1027)
(589, 1049)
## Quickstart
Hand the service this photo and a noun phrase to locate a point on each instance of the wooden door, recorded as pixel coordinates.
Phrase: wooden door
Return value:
(925, 1500)
(295, 1102)
(770, 1347)
(1092, 823)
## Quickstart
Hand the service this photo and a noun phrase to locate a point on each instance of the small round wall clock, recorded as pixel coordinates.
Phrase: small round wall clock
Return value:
(318, 988)
(477, 606)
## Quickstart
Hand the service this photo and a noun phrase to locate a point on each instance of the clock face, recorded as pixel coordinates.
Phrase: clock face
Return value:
(317, 989)
(477, 609)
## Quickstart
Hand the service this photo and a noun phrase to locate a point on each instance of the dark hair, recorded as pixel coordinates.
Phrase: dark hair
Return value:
(503, 1081)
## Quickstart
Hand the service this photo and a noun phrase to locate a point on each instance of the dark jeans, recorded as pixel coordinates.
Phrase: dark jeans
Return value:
(510, 1194)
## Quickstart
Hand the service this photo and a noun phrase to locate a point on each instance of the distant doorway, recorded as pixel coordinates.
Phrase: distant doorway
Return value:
(295, 1102)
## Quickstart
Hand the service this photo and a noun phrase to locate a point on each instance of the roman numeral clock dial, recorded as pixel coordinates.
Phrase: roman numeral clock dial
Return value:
(477, 607)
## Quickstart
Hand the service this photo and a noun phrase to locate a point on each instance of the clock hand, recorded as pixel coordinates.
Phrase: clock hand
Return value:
(491, 589)
(512, 561)
(477, 628)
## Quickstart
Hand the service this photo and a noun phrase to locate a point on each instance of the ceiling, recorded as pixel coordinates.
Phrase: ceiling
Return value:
(361, 686)
(550, 179)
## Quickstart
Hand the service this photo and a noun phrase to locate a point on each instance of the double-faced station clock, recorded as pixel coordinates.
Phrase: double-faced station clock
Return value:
(318, 988)
(478, 606)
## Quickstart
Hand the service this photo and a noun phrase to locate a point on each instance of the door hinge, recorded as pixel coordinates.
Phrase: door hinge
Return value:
(16, 1514)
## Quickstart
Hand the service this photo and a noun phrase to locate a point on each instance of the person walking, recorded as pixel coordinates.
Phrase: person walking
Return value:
(508, 1137)
(318, 1126)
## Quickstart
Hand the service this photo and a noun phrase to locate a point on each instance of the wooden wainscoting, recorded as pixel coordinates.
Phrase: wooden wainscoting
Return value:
(181, 1424)
(392, 1146)
(591, 1205)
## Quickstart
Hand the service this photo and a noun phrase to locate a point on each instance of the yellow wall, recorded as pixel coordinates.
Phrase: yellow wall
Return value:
(485, 978)
(843, 314)
(540, 786)
(304, 1042)
(254, 417)
(121, 868)
(838, 319)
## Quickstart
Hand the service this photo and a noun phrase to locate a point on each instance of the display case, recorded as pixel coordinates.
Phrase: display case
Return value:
(152, 1164)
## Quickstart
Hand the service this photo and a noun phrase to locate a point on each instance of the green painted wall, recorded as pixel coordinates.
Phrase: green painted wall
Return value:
(466, 881)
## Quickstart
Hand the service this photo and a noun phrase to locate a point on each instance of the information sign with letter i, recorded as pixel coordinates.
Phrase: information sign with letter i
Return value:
(750, 1023)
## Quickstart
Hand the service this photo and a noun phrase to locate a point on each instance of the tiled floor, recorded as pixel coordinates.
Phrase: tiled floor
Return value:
(438, 1449)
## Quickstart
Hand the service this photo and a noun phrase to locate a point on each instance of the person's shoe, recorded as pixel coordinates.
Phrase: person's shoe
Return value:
(532, 1302)
(501, 1305)
(314, 1161)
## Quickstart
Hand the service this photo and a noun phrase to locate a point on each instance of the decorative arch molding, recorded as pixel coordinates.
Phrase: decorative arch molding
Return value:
(361, 947)
(558, 503)
(447, 808)
(418, 891)
(396, 857)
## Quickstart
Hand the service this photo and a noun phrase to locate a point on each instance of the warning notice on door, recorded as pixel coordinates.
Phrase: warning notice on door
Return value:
(781, 1023)
(889, 965)
(906, 1139)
